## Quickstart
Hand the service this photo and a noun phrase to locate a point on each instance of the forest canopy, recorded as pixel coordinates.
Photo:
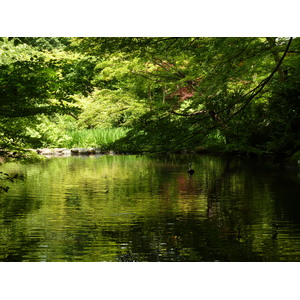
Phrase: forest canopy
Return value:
(163, 93)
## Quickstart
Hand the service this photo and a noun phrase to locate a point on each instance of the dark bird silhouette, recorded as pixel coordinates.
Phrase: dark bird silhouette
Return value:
(190, 170)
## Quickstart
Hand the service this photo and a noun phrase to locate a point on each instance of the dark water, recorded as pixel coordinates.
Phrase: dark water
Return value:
(128, 208)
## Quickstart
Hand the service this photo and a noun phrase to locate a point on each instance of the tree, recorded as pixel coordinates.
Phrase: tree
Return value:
(211, 87)
(173, 93)
(34, 83)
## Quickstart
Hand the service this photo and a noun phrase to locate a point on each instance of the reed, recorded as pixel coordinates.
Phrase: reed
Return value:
(97, 137)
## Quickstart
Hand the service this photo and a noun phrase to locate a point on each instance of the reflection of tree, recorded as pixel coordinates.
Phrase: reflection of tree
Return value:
(20, 248)
(287, 189)
(19, 207)
(174, 238)
(230, 233)
(152, 212)
(232, 206)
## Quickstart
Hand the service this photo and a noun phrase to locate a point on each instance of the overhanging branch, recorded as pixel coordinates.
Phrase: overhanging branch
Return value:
(252, 94)
(255, 91)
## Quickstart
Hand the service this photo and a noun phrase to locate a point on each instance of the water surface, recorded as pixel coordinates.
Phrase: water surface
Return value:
(138, 208)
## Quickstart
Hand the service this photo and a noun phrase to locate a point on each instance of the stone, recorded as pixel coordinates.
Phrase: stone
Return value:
(46, 151)
(84, 151)
(66, 152)
(75, 151)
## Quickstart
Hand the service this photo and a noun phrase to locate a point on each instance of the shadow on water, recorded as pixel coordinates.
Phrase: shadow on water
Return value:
(185, 240)
(128, 208)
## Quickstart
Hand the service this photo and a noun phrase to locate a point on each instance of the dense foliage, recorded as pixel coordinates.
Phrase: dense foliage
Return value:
(169, 94)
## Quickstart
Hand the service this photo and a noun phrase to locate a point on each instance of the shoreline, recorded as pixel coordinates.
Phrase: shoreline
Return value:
(65, 152)
(286, 162)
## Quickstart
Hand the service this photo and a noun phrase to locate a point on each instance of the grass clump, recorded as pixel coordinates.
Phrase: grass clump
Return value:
(97, 137)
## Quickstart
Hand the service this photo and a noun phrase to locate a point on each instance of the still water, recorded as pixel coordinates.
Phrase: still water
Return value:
(138, 208)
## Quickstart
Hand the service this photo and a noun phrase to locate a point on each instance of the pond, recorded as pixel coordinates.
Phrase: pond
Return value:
(126, 208)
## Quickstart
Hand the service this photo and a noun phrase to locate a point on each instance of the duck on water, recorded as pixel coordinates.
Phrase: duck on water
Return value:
(190, 170)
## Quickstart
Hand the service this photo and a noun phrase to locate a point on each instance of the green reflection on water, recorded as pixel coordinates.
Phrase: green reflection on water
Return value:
(128, 208)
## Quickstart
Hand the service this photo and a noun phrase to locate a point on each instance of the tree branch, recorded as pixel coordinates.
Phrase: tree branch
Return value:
(254, 92)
